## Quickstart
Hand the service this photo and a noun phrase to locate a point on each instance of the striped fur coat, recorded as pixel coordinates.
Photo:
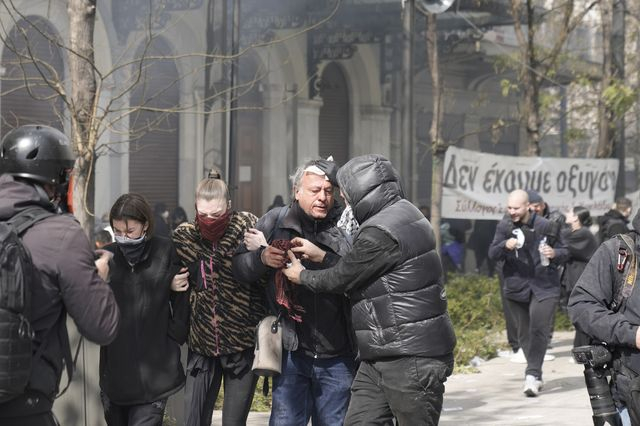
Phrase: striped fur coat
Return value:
(224, 312)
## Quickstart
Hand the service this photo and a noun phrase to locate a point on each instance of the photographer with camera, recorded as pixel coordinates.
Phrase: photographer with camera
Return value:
(604, 306)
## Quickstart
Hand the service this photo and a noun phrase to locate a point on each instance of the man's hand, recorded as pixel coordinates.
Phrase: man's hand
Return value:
(293, 269)
(180, 281)
(547, 251)
(102, 263)
(273, 257)
(511, 244)
(638, 338)
(309, 250)
(254, 239)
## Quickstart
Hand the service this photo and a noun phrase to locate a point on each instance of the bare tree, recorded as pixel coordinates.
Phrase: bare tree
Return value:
(95, 101)
(536, 63)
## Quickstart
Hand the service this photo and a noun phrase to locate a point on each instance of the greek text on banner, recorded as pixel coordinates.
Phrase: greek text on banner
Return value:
(476, 184)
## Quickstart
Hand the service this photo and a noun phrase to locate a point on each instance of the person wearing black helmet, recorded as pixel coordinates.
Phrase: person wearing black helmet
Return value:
(34, 161)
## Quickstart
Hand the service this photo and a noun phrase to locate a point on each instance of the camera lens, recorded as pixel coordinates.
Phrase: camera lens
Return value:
(599, 393)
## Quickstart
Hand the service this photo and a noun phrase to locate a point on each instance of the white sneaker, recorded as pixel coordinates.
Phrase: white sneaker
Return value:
(519, 357)
(549, 357)
(532, 386)
(506, 353)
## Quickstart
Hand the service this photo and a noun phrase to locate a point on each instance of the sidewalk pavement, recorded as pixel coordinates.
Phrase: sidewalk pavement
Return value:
(494, 395)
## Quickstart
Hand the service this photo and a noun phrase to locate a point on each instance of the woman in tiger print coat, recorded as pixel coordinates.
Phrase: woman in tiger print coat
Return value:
(224, 312)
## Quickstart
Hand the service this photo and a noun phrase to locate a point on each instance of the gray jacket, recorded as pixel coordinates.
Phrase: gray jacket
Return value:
(69, 282)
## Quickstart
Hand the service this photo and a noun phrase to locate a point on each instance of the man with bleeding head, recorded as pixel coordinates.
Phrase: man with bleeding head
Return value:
(318, 359)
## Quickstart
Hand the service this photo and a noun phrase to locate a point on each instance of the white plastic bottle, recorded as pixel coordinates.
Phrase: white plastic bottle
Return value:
(544, 260)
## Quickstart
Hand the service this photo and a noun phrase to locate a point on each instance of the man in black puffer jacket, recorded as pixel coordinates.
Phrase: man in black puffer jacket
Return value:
(393, 277)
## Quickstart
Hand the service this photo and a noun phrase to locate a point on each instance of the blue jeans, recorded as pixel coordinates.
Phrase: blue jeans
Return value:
(311, 388)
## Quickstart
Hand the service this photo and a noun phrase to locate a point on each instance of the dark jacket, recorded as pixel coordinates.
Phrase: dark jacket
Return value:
(393, 273)
(581, 244)
(68, 282)
(142, 364)
(324, 330)
(590, 300)
(524, 276)
(611, 223)
(590, 307)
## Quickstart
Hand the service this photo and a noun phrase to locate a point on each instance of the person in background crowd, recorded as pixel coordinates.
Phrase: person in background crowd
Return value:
(224, 312)
(277, 202)
(161, 220)
(141, 368)
(453, 232)
(318, 359)
(532, 289)
(35, 160)
(615, 221)
(581, 244)
(393, 277)
(178, 217)
(426, 211)
(479, 240)
(557, 222)
(102, 239)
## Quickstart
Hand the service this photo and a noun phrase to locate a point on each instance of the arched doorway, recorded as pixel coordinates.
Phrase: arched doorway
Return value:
(248, 193)
(334, 115)
(26, 98)
(153, 150)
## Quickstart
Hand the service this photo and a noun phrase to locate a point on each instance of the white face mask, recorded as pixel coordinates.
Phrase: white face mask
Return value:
(123, 239)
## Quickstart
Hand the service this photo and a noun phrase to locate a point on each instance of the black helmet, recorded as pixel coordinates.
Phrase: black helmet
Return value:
(37, 152)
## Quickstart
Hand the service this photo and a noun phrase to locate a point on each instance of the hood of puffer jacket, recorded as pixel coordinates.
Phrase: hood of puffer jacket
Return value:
(16, 195)
(369, 183)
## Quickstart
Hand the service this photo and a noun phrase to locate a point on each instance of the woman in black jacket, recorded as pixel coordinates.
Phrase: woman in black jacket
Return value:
(582, 244)
(141, 368)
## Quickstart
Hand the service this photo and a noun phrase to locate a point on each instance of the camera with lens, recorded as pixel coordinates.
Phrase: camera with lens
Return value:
(595, 359)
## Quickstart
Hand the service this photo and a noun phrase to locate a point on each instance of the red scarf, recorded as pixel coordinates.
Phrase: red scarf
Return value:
(213, 229)
(285, 290)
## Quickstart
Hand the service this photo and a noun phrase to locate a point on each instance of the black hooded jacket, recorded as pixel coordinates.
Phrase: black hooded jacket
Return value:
(611, 223)
(393, 274)
(69, 283)
(142, 364)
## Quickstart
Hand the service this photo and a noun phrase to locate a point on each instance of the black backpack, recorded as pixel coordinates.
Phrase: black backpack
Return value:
(17, 274)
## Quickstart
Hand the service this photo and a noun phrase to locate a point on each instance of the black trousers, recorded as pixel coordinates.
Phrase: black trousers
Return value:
(204, 377)
(42, 419)
(150, 414)
(408, 388)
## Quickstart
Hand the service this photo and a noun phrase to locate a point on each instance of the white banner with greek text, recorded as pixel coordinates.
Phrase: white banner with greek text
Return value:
(476, 184)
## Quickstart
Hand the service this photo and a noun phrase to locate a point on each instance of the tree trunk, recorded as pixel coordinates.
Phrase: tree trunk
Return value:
(529, 81)
(438, 146)
(82, 15)
(605, 134)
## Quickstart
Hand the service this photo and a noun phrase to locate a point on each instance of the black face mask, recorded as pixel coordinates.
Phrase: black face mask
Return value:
(133, 252)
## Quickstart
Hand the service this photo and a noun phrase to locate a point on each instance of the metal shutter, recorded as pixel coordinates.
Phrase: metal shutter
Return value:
(334, 115)
(153, 157)
(18, 106)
